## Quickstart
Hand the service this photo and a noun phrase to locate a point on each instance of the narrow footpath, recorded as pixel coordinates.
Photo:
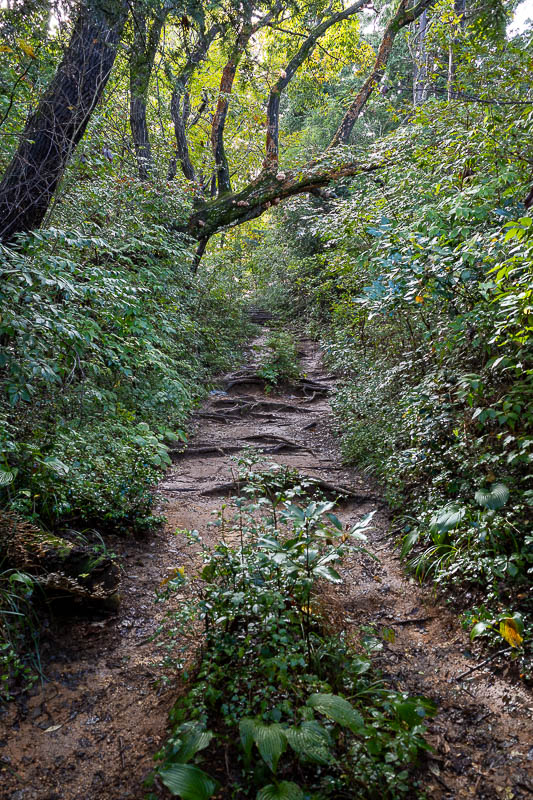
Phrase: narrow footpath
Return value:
(90, 732)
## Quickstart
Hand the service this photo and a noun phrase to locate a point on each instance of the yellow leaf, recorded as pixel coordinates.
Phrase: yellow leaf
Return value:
(509, 631)
(173, 574)
(4, 48)
(419, 299)
(26, 48)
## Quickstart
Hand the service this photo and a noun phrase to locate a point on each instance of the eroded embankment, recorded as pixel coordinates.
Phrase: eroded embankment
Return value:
(92, 729)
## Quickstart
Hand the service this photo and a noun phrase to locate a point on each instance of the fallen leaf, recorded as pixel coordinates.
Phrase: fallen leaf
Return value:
(53, 728)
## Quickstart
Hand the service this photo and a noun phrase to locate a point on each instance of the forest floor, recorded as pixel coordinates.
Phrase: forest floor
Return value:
(90, 732)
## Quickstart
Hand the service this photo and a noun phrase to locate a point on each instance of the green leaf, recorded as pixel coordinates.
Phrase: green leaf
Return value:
(310, 740)
(247, 731)
(328, 573)
(284, 790)
(447, 518)
(6, 477)
(479, 628)
(408, 542)
(271, 742)
(192, 737)
(188, 782)
(335, 521)
(57, 466)
(493, 498)
(338, 709)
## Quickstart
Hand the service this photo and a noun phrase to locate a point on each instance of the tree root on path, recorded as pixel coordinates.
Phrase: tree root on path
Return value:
(326, 486)
(278, 444)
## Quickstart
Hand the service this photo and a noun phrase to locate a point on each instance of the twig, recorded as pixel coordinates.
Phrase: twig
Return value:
(482, 663)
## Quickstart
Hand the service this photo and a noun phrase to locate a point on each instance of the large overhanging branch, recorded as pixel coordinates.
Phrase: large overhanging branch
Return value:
(402, 17)
(306, 49)
(266, 191)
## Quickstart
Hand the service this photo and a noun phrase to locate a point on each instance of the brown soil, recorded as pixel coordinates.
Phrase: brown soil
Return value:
(92, 729)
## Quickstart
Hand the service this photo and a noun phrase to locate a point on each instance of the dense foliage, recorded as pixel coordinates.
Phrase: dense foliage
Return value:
(422, 278)
(109, 338)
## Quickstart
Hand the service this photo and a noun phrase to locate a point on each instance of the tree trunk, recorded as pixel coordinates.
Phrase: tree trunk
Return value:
(58, 124)
(419, 61)
(459, 8)
(145, 43)
(221, 111)
(403, 16)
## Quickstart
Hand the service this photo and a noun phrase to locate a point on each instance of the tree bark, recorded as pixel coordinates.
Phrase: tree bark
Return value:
(419, 61)
(145, 43)
(459, 8)
(266, 191)
(180, 103)
(221, 112)
(53, 131)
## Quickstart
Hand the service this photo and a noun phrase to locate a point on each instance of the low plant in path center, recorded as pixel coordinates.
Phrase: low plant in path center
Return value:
(279, 707)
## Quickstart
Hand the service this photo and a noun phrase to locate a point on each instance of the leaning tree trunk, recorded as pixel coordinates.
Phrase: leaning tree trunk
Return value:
(58, 124)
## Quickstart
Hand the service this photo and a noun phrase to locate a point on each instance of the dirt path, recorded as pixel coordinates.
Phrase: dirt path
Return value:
(92, 730)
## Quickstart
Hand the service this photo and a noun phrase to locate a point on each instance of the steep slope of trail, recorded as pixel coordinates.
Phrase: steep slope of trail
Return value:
(92, 730)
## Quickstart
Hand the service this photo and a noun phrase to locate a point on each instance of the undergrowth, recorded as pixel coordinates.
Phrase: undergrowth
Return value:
(280, 364)
(108, 340)
(279, 705)
(419, 287)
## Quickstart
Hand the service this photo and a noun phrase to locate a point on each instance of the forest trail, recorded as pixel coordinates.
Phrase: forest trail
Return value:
(91, 731)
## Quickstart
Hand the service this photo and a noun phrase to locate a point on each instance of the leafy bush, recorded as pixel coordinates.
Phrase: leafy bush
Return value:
(19, 632)
(107, 340)
(281, 363)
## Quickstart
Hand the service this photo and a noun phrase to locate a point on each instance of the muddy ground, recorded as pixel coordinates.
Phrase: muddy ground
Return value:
(91, 731)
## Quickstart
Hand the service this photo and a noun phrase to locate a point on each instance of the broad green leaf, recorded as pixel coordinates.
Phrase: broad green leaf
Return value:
(284, 790)
(6, 477)
(188, 782)
(493, 498)
(409, 542)
(310, 740)
(335, 521)
(247, 730)
(338, 709)
(193, 737)
(271, 742)
(328, 573)
(447, 518)
(479, 628)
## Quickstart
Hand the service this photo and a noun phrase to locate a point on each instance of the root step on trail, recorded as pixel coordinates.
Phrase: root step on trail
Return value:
(92, 730)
